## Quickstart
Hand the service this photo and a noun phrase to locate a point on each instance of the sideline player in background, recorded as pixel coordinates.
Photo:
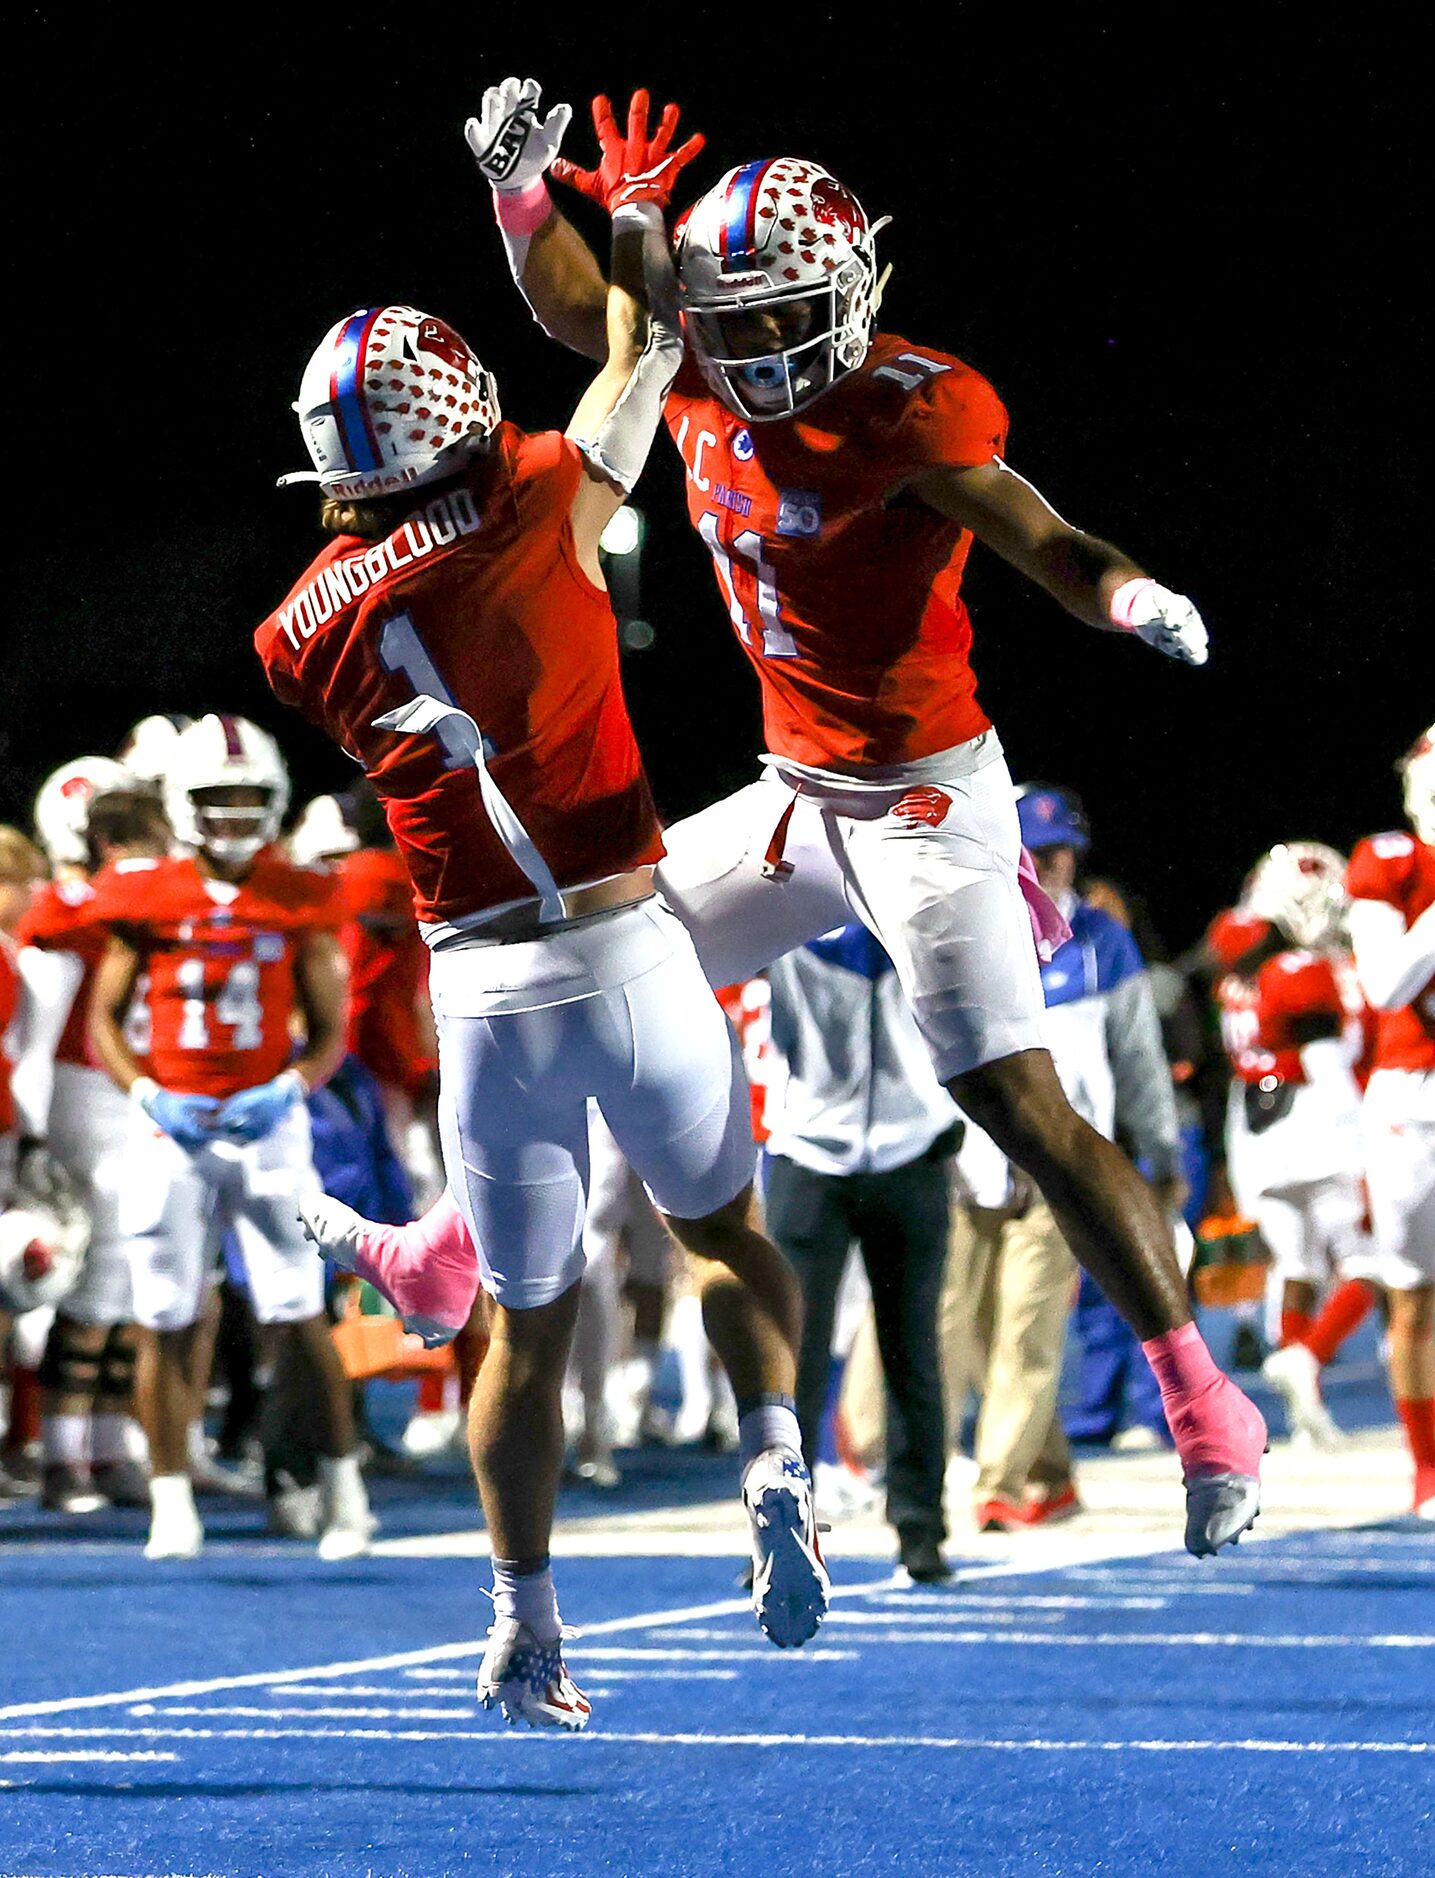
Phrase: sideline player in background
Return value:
(1391, 881)
(1292, 1025)
(89, 813)
(455, 637)
(839, 476)
(230, 941)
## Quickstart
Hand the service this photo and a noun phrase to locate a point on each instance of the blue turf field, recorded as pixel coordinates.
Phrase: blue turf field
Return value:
(259, 1714)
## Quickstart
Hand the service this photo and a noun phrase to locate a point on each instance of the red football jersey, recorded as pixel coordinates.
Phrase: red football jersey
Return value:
(1399, 870)
(748, 1008)
(1258, 1014)
(845, 593)
(58, 919)
(219, 961)
(477, 599)
(388, 971)
(9, 1003)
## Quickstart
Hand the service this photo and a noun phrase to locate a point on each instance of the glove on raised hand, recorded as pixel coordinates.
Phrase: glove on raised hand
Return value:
(636, 167)
(512, 147)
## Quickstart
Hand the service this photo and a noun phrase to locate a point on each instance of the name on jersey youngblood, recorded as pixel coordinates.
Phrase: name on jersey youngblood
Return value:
(442, 522)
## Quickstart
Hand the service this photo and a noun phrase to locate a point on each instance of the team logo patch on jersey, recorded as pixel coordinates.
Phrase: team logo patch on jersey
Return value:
(742, 446)
(799, 512)
(268, 948)
(923, 805)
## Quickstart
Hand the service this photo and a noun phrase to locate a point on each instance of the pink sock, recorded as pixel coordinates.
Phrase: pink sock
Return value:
(428, 1268)
(1216, 1427)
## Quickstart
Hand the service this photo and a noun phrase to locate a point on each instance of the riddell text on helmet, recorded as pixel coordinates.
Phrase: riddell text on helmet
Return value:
(439, 524)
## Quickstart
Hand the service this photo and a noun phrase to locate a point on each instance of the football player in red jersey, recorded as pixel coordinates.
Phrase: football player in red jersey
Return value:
(1391, 881)
(839, 476)
(89, 813)
(455, 636)
(222, 947)
(1292, 1021)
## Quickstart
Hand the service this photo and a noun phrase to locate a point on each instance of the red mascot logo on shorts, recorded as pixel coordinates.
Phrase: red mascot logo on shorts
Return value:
(836, 207)
(435, 336)
(924, 805)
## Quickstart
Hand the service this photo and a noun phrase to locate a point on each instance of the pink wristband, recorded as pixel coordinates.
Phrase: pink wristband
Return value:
(1124, 601)
(522, 211)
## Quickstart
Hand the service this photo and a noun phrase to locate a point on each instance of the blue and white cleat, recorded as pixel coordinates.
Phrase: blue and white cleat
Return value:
(529, 1680)
(790, 1585)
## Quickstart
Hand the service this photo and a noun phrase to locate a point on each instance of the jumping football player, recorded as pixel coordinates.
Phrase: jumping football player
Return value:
(1391, 881)
(838, 476)
(224, 945)
(455, 636)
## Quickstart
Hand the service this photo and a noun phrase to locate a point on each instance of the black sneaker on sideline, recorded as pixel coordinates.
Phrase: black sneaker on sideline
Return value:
(922, 1557)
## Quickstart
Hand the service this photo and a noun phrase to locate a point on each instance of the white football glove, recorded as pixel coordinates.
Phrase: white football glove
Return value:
(513, 149)
(1168, 621)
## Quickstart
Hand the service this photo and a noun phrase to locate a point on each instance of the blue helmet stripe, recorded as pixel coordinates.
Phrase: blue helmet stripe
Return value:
(738, 235)
(345, 391)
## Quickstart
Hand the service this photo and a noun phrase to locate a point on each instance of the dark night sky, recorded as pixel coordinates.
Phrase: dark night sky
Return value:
(1189, 266)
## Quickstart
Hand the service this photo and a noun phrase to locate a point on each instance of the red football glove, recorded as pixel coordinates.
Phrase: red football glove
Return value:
(635, 168)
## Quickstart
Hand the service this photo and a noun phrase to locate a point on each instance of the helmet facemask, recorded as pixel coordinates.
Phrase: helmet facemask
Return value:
(231, 822)
(835, 337)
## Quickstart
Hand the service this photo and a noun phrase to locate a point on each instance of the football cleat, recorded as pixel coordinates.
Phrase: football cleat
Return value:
(432, 1286)
(1295, 1371)
(790, 1585)
(347, 1537)
(1219, 1508)
(174, 1532)
(66, 1488)
(529, 1680)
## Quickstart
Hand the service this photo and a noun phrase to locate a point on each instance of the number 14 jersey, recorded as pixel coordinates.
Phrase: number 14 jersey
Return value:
(217, 962)
(845, 591)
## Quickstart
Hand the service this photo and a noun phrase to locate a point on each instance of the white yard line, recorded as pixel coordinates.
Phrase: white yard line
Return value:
(435, 1653)
(47, 1755)
(526, 1738)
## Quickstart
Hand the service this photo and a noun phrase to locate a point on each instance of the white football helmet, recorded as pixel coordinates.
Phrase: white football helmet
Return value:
(62, 806)
(392, 399)
(320, 833)
(1300, 887)
(44, 1235)
(150, 744)
(781, 253)
(220, 752)
(1417, 771)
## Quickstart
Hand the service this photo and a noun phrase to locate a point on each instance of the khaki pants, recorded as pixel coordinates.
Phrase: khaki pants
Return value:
(1002, 1327)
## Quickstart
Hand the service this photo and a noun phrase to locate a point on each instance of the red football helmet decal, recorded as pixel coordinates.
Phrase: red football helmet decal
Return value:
(837, 207)
(924, 805)
(436, 336)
